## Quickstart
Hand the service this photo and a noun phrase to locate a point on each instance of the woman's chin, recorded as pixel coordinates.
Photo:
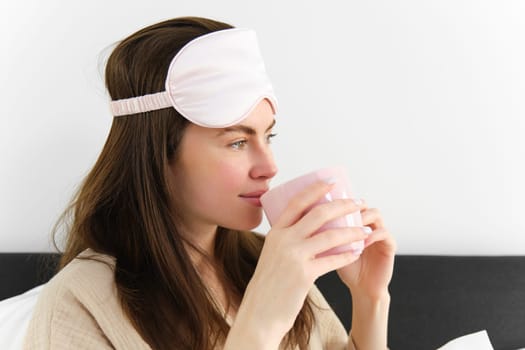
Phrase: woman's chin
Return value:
(249, 222)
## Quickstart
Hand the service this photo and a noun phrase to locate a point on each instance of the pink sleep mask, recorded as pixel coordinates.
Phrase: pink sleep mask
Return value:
(214, 81)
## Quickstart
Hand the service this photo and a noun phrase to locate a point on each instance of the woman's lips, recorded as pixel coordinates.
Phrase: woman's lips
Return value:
(254, 198)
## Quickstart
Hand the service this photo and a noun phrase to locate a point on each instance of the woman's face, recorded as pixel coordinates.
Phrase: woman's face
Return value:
(220, 174)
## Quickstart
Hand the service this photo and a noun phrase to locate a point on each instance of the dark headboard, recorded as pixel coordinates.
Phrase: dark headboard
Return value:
(438, 298)
(434, 298)
(20, 272)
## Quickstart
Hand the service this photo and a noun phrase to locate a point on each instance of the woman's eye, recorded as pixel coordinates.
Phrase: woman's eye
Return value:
(270, 137)
(244, 142)
(238, 144)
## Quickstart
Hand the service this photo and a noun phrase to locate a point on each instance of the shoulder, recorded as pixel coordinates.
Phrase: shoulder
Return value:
(79, 308)
(79, 305)
(91, 274)
(86, 280)
(88, 265)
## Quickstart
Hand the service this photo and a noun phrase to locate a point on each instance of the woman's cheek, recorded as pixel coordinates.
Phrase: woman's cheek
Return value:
(231, 176)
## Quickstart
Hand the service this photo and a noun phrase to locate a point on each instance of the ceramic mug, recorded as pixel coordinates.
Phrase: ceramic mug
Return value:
(276, 199)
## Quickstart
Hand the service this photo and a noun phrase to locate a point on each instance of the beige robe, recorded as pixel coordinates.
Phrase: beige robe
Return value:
(79, 309)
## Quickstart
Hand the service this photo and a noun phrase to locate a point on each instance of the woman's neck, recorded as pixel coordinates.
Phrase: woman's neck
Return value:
(201, 249)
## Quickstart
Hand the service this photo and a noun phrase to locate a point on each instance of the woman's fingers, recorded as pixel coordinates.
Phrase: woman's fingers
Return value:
(324, 213)
(372, 217)
(302, 202)
(332, 238)
(325, 264)
(304, 207)
(381, 235)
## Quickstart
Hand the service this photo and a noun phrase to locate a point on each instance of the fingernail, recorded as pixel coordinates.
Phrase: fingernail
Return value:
(357, 201)
(367, 230)
(330, 180)
(357, 252)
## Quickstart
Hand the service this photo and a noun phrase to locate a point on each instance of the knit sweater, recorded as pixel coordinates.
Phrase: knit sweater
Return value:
(79, 309)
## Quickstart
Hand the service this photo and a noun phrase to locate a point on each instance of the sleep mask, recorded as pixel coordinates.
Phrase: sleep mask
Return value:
(214, 81)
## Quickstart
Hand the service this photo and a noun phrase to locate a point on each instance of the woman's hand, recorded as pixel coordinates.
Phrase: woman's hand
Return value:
(370, 275)
(368, 279)
(288, 266)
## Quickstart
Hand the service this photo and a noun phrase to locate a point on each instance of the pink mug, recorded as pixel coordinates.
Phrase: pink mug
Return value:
(276, 199)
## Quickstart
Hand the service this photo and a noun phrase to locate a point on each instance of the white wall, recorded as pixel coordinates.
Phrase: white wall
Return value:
(422, 101)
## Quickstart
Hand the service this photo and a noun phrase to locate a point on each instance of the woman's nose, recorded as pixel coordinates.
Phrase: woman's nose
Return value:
(264, 166)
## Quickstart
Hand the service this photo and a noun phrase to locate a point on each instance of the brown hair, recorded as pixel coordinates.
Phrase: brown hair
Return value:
(123, 208)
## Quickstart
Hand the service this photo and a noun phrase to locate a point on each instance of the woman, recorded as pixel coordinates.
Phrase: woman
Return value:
(158, 252)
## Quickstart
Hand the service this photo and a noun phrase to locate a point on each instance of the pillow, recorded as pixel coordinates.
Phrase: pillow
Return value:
(15, 314)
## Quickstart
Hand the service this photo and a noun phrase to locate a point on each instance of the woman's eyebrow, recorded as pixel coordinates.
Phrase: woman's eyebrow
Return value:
(244, 129)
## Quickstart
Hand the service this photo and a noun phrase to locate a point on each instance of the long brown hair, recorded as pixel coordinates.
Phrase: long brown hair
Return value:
(123, 208)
